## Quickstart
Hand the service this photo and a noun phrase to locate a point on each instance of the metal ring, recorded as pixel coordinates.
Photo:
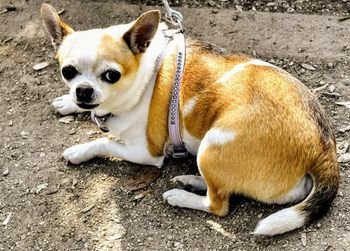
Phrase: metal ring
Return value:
(174, 16)
(179, 25)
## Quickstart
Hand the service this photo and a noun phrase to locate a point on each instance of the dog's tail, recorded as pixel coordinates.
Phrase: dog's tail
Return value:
(325, 177)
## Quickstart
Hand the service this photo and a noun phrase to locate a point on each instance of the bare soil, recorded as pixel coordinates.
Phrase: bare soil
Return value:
(46, 204)
(334, 7)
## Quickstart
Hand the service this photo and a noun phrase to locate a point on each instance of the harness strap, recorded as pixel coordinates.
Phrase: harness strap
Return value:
(176, 148)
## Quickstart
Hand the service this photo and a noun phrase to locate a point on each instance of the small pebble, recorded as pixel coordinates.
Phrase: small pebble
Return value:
(331, 88)
(290, 10)
(74, 183)
(308, 67)
(114, 237)
(235, 17)
(6, 172)
(303, 239)
(40, 66)
(71, 132)
(344, 158)
(66, 119)
(141, 195)
(91, 133)
(212, 3)
(7, 219)
(41, 187)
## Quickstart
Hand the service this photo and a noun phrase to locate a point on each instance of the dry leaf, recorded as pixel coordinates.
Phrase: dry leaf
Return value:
(141, 178)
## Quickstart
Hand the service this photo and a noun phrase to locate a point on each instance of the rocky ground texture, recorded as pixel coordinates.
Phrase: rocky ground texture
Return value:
(108, 204)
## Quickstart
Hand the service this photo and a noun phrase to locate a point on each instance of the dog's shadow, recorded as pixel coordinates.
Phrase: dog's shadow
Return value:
(138, 188)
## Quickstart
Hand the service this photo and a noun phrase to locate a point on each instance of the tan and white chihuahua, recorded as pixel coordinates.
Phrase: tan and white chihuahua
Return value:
(256, 130)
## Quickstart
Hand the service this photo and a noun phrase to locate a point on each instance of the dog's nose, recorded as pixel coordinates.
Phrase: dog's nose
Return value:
(84, 94)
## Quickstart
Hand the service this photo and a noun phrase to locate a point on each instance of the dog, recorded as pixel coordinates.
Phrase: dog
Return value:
(255, 130)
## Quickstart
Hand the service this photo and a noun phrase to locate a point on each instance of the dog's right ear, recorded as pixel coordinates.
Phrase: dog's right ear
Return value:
(141, 33)
(56, 28)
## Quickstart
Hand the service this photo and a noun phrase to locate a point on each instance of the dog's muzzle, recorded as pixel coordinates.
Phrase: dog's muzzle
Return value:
(84, 94)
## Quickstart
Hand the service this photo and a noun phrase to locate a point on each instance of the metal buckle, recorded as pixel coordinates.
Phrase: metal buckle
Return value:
(100, 121)
(179, 155)
(171, 151)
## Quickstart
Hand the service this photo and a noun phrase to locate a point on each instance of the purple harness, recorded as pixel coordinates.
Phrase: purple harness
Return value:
(176, 148)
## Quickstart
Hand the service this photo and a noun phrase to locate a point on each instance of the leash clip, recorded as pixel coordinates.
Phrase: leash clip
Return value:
(175, 17)
(101, 120)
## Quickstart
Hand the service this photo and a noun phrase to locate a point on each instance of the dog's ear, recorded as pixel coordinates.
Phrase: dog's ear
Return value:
(56, 28)
(139, 36)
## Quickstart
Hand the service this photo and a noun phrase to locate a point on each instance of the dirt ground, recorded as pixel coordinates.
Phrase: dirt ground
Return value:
(46, 204)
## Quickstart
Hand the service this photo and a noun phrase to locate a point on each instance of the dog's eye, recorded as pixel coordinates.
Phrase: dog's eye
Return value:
(69, 72)
(111, 76)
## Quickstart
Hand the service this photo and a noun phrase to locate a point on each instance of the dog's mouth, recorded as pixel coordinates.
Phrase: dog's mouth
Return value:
(87, 106)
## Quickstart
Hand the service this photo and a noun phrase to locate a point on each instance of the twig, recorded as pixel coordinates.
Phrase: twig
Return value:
(342, 19)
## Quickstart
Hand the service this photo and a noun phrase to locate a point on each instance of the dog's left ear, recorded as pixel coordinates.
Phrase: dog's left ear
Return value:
(139, 36)
(53, 24)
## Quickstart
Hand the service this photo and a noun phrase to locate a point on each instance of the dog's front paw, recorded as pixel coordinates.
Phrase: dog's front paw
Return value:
(65, 105)
(77, 154)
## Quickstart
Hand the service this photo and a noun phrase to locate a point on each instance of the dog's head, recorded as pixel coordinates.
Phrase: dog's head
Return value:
(102, 67)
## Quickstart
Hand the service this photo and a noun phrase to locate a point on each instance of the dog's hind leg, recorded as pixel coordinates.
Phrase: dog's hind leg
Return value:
(214, 202)
(65, 105)
(182, 198)
(296, 194)
(217, 199)
(195, 182)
